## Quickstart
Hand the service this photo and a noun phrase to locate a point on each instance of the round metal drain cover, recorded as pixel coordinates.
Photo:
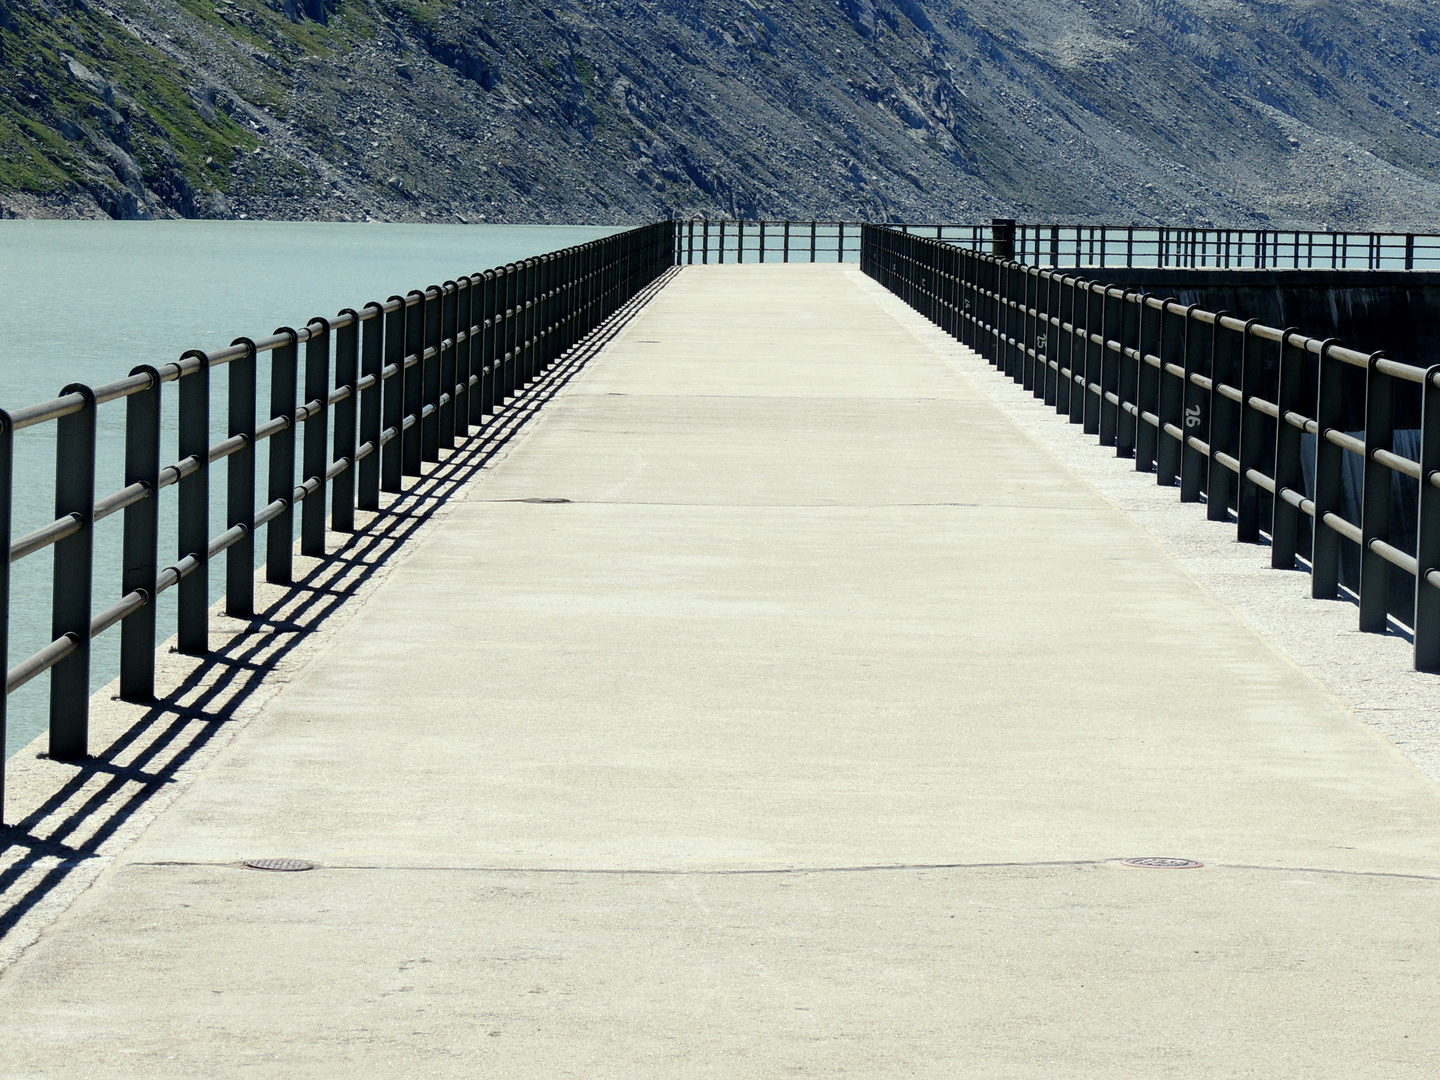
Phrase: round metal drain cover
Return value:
(1157, 863)
(290, 865)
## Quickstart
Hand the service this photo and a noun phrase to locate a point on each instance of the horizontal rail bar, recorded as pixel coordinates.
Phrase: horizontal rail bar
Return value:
(41, 662)
(127, 605)
(45, 536)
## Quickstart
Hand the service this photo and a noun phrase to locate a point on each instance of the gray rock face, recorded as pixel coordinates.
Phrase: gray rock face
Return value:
(1184, 111)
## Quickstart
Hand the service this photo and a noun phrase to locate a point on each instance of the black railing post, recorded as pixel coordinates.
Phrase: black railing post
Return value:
(448, 367)
(193, 603)
(1288, 474)
(1329, 475)
(430, 374)
(1375, 500)
(1111, 315)
(1172, 394)
(1192, 460)
(73, 577)
(472, 318)
(1002, 238)
(489, 335)
(1050, 338)
(141, 553)
(393, 397)
(280, 533)
(372, 360)
(1029, 355)
(7, 466)
(347, 374)
(1129, 383)
(1148, 382)
(1226, 347)
(1094, 321)
(1252, 436)
(411, 454)
(506, 343)
(1066, 400)
(1427, 543)
(316, 445)
(239, 487)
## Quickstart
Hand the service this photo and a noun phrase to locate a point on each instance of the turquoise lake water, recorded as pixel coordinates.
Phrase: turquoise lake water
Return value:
(86, 301)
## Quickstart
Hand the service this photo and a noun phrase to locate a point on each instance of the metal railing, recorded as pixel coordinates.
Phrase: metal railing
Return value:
(700, 240)
(1248, 417)
(398, 382)
(1214, 249)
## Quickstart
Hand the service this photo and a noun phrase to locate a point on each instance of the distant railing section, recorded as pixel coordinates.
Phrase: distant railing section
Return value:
(1248, 417)
(1214, 249)
(382, 389)
(703, 241)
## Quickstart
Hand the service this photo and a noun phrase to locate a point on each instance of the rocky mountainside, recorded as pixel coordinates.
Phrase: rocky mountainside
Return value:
(1233, 112)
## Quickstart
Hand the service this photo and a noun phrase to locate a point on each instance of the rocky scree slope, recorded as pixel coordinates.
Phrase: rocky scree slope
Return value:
(1232, 112)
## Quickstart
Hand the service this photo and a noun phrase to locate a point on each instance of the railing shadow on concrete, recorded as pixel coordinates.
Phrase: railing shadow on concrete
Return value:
(385, 389)
(81, 809)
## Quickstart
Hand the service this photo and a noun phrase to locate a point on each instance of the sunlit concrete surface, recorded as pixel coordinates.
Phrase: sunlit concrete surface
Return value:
(804, 736)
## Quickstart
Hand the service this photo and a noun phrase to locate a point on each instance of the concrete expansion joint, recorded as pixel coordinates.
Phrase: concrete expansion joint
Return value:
(1127, 862)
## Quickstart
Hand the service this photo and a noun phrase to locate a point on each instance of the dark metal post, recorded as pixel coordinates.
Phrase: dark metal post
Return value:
(473, 316)
(1198, 348)
(372, 359)
(445, 398)
(506, 342)
(1065, 399)
(1227, 346)
(280, 533)
(414, 382)
(1427, 546)
(193, 603)
(1050, 338)
(489, 335)
(1329, 472)
(1094, 322)
(1172, 394)
(1252, 436)
(1285, 519)
(347, 374)
(1375, 501)
(393, 398)
(1002, 238)
(7, 465)
(316, 449)
(1111, 316)
(142, 538)
(1129, 385)
(430, 376)
(1147, 396)
(239, 488)
(72, 583)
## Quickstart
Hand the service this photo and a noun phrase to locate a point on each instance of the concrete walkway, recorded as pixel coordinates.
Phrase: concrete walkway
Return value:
(803, 737)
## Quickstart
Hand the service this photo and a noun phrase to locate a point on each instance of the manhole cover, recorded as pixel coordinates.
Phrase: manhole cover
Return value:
(1158, 863)
(279, 864)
